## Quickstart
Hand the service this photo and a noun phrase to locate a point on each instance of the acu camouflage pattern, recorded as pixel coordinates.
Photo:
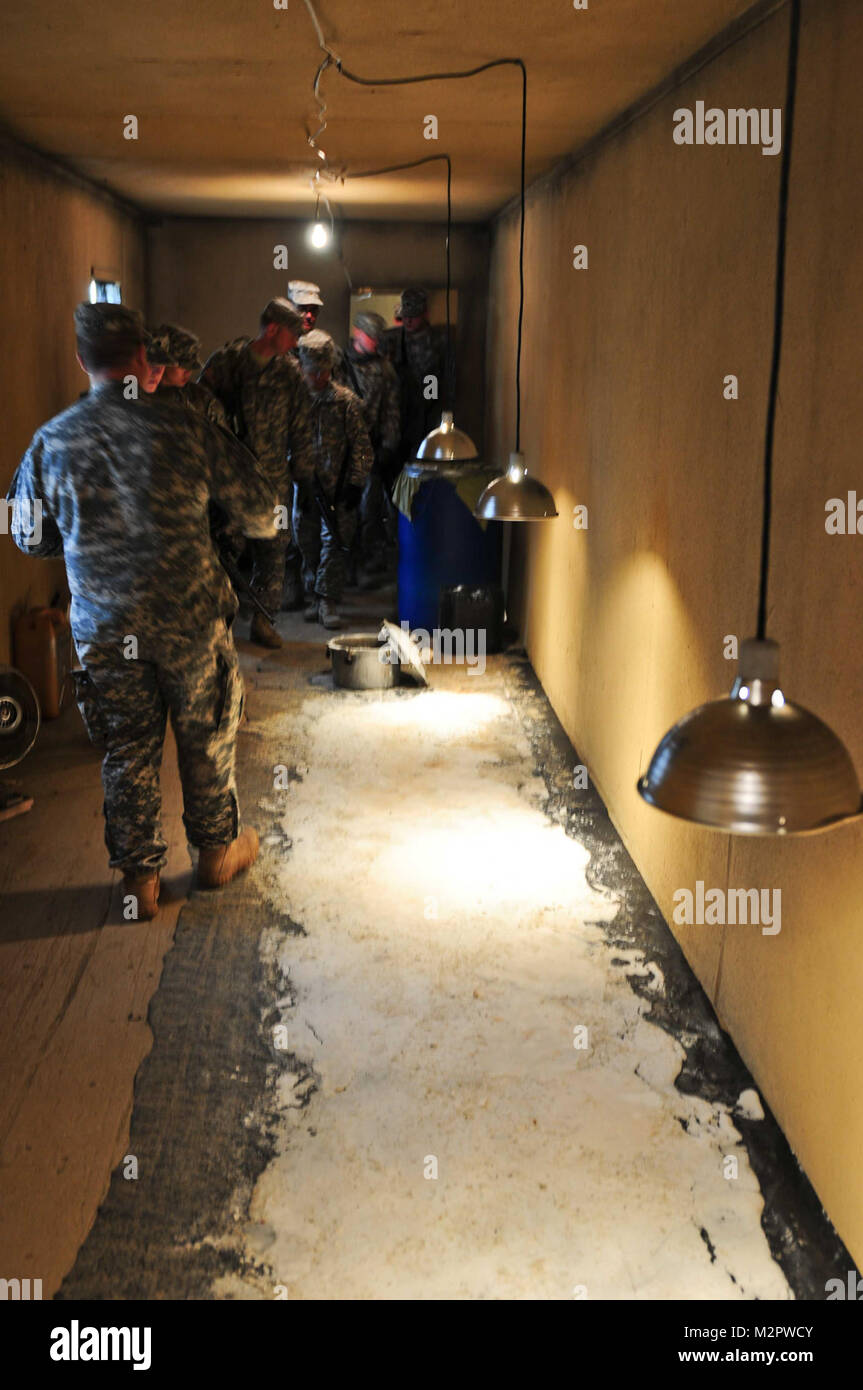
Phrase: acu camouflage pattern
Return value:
(267, 406)
(375, 380)
(195, 396)
(342, 450)
(125, 487)
(416, 356)
(125, 706)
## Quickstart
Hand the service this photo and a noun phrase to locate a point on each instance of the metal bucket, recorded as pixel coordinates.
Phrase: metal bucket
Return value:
(357, 663)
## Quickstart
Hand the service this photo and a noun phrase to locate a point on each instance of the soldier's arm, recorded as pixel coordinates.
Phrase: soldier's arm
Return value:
(214, 376)
(34, 530)
(213, 408)
(362, 454)
(238, 485)
(300, 440)
(391, 410)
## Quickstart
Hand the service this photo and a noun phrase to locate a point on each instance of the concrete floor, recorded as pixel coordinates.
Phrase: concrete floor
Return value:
(354, 1074)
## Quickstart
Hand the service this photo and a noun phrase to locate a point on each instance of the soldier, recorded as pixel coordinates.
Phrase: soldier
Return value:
(157, 360)
(261, 388)
(325, 504)
(124, 487)
(418, 351)
(307, 298)
(182, 349)
(363, 370)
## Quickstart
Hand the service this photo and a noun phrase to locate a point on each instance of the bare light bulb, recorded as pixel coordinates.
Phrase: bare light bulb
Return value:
(319, 235)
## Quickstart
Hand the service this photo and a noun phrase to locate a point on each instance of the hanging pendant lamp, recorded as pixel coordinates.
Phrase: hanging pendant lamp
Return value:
(515, 495)
(755, 763)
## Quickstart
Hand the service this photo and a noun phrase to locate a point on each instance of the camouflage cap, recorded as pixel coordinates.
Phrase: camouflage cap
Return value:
(373, 325)
(413, 303)
(157, 350)
(183, 348)
(303, 293)
(283, 312)
(317, 349)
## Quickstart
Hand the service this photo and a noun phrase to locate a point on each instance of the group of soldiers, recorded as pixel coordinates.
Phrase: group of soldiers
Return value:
(329, 428)
(134, 484)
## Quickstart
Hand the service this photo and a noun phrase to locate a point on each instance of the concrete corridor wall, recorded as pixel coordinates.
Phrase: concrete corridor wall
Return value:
(623, 411)
(54, 231)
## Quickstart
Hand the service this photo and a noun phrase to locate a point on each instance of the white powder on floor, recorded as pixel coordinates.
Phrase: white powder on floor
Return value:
(451, 955)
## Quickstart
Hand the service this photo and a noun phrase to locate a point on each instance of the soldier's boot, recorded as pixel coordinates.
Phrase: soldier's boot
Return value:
(216, 867)
(310, 612)
(264, 633)
(328, 615)
(146, 892)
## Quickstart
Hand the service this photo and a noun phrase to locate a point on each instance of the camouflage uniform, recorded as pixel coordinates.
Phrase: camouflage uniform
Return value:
(267, 407)
(125, 487)
(375, 381)
(340, 441)
(416, 356)
(195, 396)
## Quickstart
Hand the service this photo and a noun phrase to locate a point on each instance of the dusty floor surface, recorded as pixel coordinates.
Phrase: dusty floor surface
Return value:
(426, 1049)
(458, 1143)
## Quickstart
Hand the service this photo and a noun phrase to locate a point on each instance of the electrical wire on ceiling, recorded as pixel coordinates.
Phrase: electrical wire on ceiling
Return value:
(778, 313)
(331, 57)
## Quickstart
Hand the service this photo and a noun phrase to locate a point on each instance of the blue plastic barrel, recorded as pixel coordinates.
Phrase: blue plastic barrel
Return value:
(442, 544)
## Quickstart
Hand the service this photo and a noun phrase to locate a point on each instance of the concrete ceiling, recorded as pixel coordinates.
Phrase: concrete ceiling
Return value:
(222, 90)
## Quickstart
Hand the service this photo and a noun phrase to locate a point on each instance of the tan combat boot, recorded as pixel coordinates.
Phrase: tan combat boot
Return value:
(146, 893)
(328, 616)
(264, 633)
(216, 867)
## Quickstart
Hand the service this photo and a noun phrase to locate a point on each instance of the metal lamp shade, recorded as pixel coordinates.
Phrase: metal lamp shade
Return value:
(515, 496)
(754, 763)
(447, 444)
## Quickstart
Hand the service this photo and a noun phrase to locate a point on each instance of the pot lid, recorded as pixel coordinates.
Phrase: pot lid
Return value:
(409, 653)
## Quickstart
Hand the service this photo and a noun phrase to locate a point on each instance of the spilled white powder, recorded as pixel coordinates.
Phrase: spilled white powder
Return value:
(450, 958)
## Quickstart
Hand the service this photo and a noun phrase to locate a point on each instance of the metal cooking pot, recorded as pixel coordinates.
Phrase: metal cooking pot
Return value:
(358, 664)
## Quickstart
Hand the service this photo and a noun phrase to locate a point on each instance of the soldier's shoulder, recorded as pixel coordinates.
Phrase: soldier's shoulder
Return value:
(69, 422)
(290, 365)
(227, 352)
(344, 394)
(386, 369)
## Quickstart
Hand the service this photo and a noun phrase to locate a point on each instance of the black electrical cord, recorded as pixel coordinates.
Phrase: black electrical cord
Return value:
(414, 164)
(442, 77)
(778, 312)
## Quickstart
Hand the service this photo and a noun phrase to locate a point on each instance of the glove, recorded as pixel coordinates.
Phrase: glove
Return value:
(351, 495)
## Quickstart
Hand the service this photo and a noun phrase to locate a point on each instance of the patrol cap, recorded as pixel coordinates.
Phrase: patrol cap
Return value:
(317, 349)
(373, 325)
(413, 304)
(157, 350)
(303, 293)
(107, 335)
(183, 348)
(283, 312)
